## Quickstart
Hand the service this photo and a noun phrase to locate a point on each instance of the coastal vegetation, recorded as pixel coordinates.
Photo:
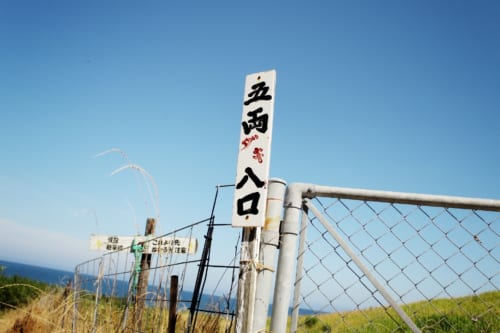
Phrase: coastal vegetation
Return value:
(26, 305)
(32, 306)
(471, 314)
(16, 291)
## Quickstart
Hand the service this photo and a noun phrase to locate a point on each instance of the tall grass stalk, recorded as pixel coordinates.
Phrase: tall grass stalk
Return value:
(148, 179)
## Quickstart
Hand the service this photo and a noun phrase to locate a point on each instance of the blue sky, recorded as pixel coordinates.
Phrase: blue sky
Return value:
(389, 95)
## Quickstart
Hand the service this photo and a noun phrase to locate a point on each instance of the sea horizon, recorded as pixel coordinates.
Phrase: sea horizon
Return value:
(62, 277)
(44, 274)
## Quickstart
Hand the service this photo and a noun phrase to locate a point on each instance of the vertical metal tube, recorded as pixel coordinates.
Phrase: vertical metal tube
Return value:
(299, 270)
(198, 289)
(98, 293)
(286, 259)
(267, 254)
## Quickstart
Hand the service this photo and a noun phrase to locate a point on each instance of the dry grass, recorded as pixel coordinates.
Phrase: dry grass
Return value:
(46, 314)
(52, 312)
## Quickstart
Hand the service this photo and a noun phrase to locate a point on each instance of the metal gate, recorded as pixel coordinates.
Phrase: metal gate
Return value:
(375, 261)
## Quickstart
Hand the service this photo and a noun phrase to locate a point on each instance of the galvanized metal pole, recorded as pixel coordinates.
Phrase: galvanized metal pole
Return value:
(98, 292)
(310, 190)
(286, 259)
(298, 271)
(268, 246)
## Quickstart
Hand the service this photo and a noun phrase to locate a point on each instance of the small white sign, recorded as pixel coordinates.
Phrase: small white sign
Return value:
(254, 154)
(149, 244)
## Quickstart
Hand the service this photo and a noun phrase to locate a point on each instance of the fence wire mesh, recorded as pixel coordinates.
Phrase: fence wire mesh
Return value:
(440, 266)
(106, 288)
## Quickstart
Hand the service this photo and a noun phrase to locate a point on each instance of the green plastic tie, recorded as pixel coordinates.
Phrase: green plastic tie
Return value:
(137, 249)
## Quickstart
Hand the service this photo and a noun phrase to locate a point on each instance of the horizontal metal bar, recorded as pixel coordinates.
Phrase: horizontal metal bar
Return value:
(232, 313)
(311, 191)
(226, 185)
(222, 266)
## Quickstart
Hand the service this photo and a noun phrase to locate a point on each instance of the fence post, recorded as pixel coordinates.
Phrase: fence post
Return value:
(247, 279)
(98, 291)
(172, 311)
(142, 283)
(268, 245)
(286, 258)
(299, 270)
(202, 268)
(76, 294)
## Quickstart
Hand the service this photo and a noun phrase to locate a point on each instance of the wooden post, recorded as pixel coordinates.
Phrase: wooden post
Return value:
(142, 283)
(249, 257)
(172, 311)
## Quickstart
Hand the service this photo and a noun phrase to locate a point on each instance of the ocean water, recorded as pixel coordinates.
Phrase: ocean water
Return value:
(61, 278)
(43, 274)
(109, 287)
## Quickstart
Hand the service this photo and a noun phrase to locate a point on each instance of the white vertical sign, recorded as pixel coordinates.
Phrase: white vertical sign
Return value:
(252, 172)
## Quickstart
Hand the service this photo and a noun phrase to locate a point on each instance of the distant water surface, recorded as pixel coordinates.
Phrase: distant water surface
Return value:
(43, 274)
(61, 278)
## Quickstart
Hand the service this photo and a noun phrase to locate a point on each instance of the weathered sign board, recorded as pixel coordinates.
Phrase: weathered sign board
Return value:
(150, 244)
(254, 154)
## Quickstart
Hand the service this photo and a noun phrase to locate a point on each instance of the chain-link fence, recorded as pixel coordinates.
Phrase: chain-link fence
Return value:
(368, 261)
(372, 261)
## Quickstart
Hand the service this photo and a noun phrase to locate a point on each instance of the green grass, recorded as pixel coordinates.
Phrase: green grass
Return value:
(17, 291)
(466, 314)
(50, 311)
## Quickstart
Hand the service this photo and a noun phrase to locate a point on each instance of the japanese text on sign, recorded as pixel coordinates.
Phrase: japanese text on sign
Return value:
(150, 245)
(252, 171)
